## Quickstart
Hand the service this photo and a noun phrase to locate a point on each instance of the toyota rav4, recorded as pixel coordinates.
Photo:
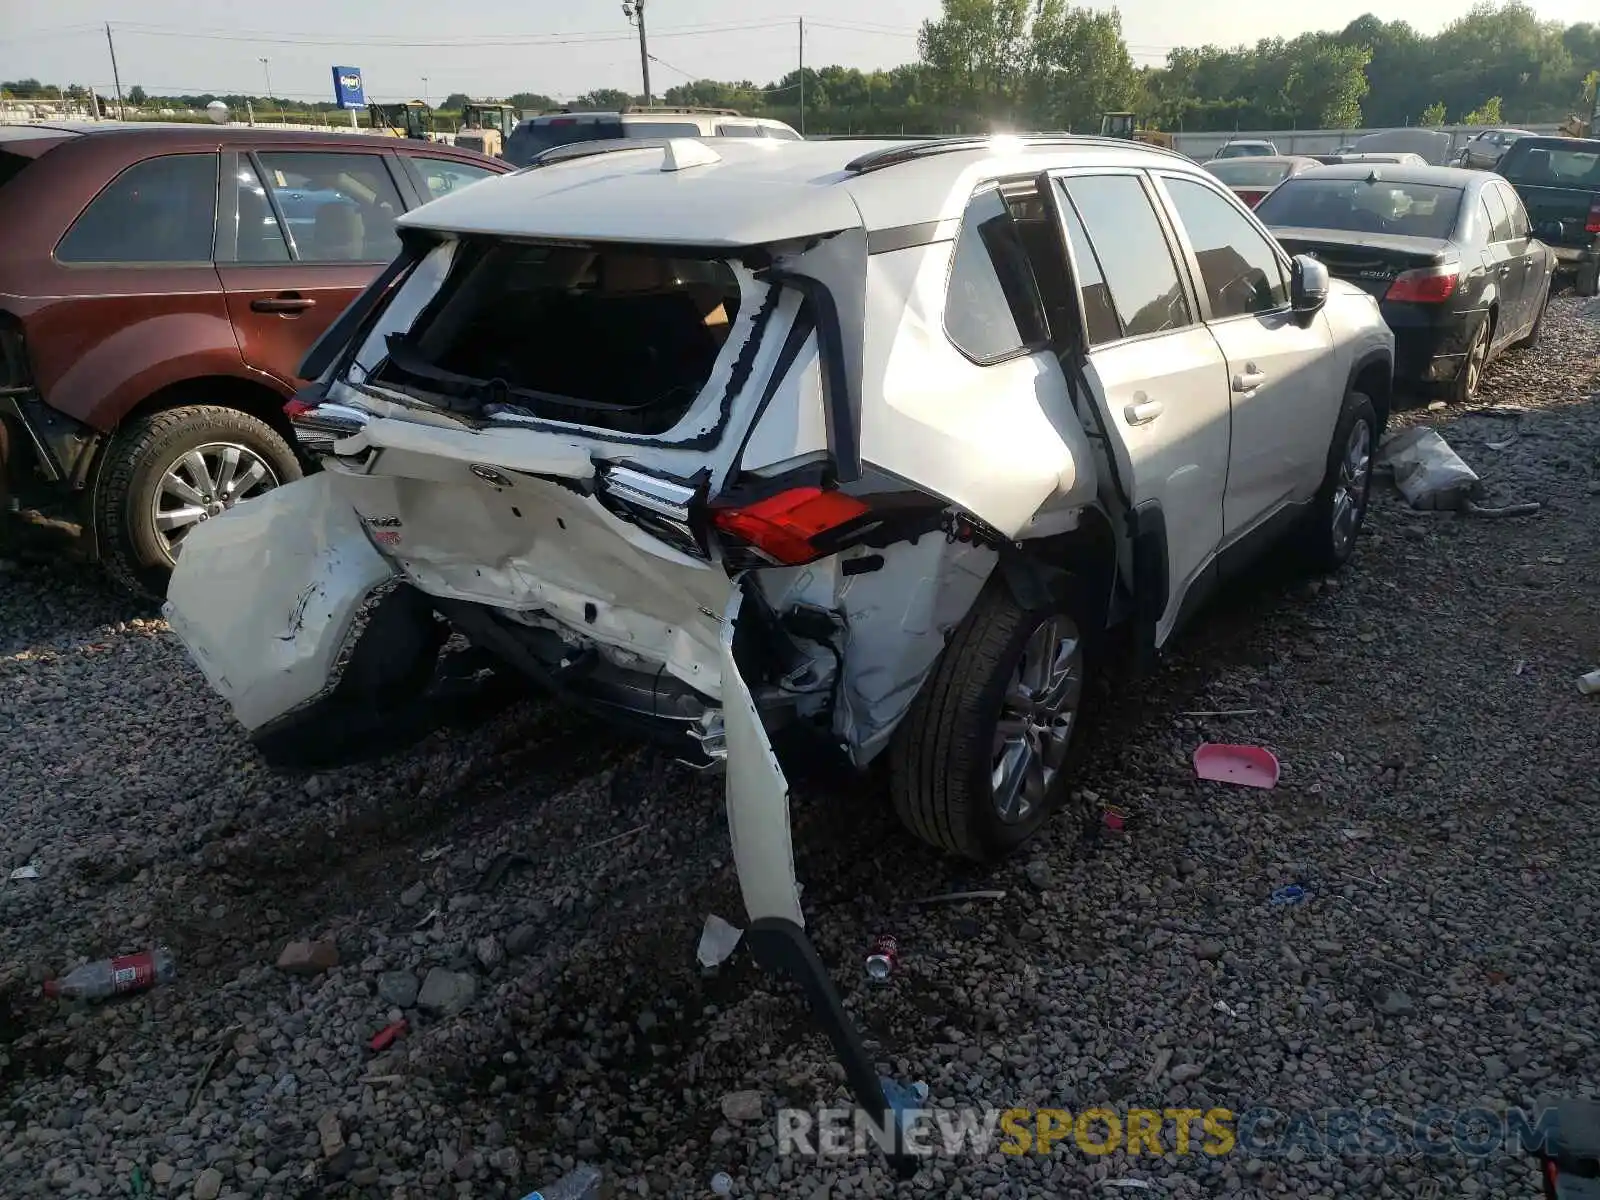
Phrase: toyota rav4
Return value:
(864, 440)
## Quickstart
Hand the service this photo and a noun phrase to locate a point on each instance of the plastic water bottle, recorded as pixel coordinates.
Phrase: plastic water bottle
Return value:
(581, 1184)
(116, 976)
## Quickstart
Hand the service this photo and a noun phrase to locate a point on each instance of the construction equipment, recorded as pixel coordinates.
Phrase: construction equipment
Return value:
(486, 127)
(1125, 125)
(1576, 127)
(413, 119)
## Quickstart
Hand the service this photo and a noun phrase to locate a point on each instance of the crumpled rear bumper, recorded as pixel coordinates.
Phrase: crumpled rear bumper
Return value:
(264, 597)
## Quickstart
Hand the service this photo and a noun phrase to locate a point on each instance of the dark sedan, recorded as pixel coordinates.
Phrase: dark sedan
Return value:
(1447, 253)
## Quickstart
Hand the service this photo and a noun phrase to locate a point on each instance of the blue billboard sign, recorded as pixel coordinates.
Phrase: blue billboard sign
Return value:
(348, 91)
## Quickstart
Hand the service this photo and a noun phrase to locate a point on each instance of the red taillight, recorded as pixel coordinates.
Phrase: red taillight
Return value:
(297, 408)
(1429, 285)
(1552, 1177)
(1594, 218)
(1251, 199)
(784, 527)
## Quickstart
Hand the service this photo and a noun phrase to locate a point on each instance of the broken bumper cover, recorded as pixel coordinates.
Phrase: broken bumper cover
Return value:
(264, 600)
(264, 597)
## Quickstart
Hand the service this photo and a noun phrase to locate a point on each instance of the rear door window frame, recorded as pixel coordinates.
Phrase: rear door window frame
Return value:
(226, 248)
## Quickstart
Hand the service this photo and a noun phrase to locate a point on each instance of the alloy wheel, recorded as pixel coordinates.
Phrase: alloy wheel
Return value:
(203, 483)
(1477, 355)
(1351, 483)
(1037, 716)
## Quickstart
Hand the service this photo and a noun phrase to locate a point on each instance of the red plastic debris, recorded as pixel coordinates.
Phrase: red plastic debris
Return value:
(385, 1037)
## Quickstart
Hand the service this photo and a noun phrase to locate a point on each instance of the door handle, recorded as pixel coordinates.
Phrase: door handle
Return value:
(1248, 380)
(1505, 268)
(289, 302)
(1142, 412)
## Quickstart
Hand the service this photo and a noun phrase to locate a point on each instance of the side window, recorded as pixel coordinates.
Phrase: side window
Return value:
(1239, 268)
(992, 309)
(780, 133)
(261, 238)
(1519, 216)
(1132, 251)
(441, 176)
(1099, 314)
(162, 210)
(726, 130)
(1498, 215)
(339, 207)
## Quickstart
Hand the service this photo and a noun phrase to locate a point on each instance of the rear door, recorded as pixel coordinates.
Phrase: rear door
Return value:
(303, 231)
(1283, 380)
(1532, 271)
(1505, 266)
(1157, 372)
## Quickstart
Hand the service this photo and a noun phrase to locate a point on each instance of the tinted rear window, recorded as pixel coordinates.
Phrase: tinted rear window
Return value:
(1241, 172)
(531, 139)
(160, 210)
(1575, 165)
(660, 129)
(1361, 206)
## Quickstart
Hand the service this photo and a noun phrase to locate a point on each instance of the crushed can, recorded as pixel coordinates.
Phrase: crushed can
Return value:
(884, 957)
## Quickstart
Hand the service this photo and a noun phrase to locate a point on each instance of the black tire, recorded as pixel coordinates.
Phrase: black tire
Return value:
(1533, 335)
(130, 477)
(1464, 387)
(942, 757)
(1321, 543)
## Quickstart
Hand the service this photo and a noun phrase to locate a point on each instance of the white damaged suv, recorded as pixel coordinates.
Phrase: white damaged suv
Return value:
(860, 440)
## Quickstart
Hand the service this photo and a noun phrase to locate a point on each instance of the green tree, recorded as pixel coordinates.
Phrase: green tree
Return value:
(1487, 113)
(1433, 115)
(530, 102)
(454, 101)
(137, 96)
(604, 100)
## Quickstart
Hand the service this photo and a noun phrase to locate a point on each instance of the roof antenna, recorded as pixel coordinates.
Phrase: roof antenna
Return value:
(687, 152)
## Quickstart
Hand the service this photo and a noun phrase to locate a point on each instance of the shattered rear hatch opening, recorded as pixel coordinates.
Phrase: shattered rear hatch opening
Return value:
(618, 338)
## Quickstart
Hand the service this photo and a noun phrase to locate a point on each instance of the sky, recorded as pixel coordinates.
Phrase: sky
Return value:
(489, 48)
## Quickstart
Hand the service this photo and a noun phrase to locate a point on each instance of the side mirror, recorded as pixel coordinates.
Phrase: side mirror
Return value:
(1308, 286)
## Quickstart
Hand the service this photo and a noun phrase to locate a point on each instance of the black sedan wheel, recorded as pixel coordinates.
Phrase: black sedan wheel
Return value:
(1468, 379)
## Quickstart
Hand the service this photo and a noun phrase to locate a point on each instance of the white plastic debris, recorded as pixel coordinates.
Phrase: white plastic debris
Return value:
(26, 872)
(1129, 1184)
(1588, 684)
(1222, 1006)
(718, 940)
(1428, 473)
(722, 1184)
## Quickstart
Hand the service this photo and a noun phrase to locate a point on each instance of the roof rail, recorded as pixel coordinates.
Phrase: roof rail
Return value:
(574, 150)
(681, 108)
(893, 156)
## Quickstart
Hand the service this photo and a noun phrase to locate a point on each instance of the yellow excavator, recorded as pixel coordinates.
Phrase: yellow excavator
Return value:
(1125, 125)
(486, 127)
(413, 119)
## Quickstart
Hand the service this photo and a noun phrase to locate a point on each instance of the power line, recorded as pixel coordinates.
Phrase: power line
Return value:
(364, 43)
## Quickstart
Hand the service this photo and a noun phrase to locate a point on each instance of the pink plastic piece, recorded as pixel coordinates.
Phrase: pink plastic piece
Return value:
(1249, 766)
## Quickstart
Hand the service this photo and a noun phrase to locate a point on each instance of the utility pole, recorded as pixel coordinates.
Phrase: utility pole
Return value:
(267, 70)
(122, 112)
(802, 75)
(634, 11)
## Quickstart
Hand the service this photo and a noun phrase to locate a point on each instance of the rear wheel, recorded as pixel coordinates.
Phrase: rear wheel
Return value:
(978, 763)
(167, 472)
(1465, 385)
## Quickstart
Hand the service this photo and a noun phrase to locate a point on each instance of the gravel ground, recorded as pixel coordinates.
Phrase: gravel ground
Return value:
(1438, 783)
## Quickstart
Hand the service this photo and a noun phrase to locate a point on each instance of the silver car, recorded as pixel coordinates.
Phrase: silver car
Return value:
(1487, 148)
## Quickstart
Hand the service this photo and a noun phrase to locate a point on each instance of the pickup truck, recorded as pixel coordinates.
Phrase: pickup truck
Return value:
(1558, 179)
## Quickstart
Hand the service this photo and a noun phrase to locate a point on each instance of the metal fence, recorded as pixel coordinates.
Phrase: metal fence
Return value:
(1319, 141)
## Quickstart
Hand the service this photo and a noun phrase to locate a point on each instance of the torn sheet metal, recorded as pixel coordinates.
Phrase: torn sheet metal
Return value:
(264, 596)
(757, 795)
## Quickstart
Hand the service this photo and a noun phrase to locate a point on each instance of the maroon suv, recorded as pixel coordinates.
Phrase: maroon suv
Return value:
(158, 288)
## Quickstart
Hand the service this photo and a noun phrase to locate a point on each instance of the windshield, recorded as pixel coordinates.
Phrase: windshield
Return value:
(1246, 150)
(1576, 164)
(1364, 206)
(1241, 172)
